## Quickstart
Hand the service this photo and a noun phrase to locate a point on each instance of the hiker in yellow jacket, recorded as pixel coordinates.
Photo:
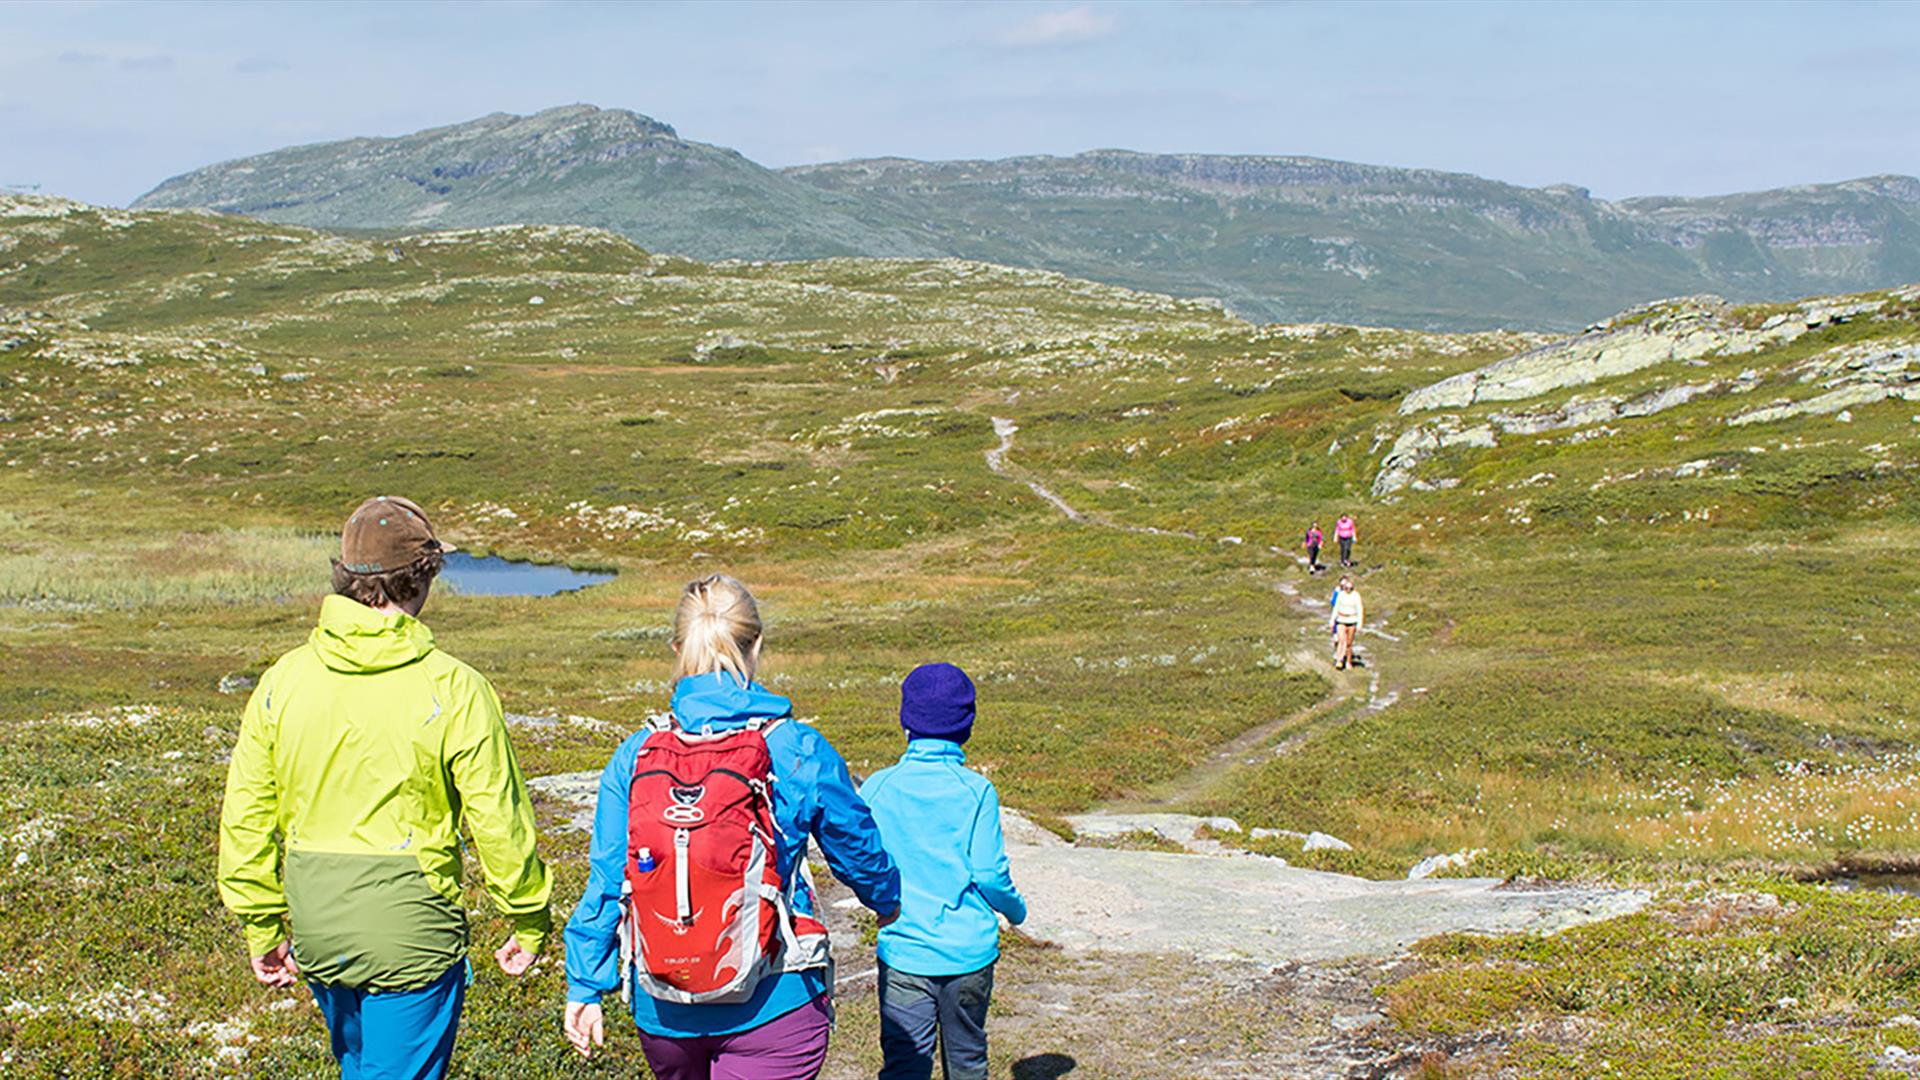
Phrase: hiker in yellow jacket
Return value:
(360, 755)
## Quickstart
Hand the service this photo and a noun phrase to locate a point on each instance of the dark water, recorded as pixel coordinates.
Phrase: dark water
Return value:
(1904, 884)
(492, 575)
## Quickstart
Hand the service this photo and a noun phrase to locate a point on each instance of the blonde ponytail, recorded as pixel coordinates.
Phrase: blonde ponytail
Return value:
(716, 628)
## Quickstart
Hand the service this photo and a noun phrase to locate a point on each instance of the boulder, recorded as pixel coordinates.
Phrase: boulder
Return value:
(1433, 864)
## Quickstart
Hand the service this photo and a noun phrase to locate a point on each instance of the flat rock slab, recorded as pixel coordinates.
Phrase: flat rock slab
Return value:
(1230, 907)
(580, 790)
(1246, 907)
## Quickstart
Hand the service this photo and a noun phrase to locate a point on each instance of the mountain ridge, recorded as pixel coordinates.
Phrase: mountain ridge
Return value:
(1277, 237)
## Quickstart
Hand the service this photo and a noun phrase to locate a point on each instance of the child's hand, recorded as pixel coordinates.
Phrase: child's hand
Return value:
(586, 1027)
(276, 968)
(889, 918)
(513, 959)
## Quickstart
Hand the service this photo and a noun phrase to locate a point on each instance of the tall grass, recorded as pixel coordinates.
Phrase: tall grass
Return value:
(238, 566)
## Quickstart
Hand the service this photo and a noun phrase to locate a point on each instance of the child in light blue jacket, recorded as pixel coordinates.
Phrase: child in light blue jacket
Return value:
(941, 823)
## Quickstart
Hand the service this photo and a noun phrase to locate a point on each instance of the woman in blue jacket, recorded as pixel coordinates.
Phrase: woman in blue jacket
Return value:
(781, 1031)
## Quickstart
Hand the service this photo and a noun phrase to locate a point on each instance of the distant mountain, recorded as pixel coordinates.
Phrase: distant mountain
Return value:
(1279, 238)
(576, 165)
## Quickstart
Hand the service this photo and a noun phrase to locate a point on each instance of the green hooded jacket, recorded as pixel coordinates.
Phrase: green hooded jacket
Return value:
(360, 755)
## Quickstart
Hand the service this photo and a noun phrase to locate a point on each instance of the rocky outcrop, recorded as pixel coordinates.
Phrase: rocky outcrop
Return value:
(1417, 444)
(1671, 332)
(1854, 376)
(1658, 401)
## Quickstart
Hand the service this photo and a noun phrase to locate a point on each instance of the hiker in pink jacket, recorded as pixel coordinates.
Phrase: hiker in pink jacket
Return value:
(1345, 532)
(1313, 548)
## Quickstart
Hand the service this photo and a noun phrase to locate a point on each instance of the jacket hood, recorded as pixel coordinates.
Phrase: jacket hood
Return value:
(354, 639)
(718, 702)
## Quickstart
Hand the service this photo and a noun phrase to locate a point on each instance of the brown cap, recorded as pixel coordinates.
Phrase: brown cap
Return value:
(386, 533)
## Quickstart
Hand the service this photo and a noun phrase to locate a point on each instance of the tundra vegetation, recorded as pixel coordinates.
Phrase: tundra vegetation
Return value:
(1668, 646)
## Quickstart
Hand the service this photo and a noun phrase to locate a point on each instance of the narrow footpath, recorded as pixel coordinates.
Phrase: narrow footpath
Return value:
(1214, 902)
(1210, 962)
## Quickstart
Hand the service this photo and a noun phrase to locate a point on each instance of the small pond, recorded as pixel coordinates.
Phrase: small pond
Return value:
(1903, 884)
(491, 575)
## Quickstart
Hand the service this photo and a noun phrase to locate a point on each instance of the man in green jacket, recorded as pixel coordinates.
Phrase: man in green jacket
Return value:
(360, 755)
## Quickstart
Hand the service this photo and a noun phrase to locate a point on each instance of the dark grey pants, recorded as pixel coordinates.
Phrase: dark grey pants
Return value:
(914, 1008)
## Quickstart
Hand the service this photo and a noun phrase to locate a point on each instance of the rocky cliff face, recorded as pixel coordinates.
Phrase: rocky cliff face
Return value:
(1276, 238)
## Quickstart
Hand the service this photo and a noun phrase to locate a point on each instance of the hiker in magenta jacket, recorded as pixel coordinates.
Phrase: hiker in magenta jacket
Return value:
(941, 822)
(1346, 532)
(1313, 548)
(781, 1031)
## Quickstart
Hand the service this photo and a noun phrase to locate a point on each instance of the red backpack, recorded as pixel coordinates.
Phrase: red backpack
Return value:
(707, 912)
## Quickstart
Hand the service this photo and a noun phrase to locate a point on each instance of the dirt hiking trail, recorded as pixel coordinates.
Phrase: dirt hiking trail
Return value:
(1209, 962)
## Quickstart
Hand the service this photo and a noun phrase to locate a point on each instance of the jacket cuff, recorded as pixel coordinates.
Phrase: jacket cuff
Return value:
(582, 995)
(263, 933)
(532, 930)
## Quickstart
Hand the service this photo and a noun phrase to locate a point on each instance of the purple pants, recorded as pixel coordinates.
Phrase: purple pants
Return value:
(793, 1047)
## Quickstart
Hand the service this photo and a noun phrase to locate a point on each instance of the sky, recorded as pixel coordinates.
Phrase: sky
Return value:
(102, 101)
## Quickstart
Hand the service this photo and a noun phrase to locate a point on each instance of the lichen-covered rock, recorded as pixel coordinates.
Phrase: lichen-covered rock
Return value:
(1671, 332)
(1578, 412)
(1671, 397)
(1832, 401)
(1421, 442)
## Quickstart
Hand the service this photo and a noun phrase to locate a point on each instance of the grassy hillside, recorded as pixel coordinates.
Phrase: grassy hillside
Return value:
(1653, 645)
(1277, 238)
(575, 165)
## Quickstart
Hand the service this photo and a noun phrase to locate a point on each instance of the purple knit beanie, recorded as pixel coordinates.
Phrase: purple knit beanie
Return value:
(936, 702)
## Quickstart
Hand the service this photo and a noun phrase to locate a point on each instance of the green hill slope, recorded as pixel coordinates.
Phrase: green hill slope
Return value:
(1277, 238)
(575, 165)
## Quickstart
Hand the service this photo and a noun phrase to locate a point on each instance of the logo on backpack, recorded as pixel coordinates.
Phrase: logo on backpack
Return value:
(709, 913)
(684, 811)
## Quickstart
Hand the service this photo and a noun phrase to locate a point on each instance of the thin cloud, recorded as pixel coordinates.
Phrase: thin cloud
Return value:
(259, 65)
(1068, 27)
(159, 62)
(82, 59)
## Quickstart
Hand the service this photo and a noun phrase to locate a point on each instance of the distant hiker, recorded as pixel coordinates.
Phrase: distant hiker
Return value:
(1333, 605)
(1313, 548)
(941, 822)
(360, 755)
(686, 809)
(1349, 615)
(1345, 531)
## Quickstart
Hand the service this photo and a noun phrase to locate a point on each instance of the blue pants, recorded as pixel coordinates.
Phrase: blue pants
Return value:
(914, 1008)
(394, 1036)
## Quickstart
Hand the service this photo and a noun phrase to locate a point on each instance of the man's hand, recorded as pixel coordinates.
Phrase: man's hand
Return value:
(513, 959)
(586, 1027)
(889, 918)
(276, 969)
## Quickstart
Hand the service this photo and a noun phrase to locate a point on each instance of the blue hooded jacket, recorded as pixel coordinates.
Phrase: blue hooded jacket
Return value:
(941, 820)
(813, 797)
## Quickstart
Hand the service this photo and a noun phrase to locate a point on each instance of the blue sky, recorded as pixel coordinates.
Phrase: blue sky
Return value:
(101, 101)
